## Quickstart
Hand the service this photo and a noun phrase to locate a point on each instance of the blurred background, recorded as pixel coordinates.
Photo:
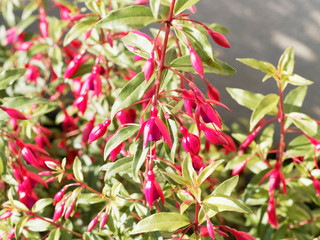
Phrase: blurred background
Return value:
(263, 30)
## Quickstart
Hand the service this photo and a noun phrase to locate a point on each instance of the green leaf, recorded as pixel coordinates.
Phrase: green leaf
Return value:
(54, 234)
(221, 202)
(3, 158)
(139, 42)
(178, 179)
(166, 222)
(305, 124)
(123, 165)
(155, 6)
(297, 80)
(182, 5)
(89, 198)
(211, 66)
(205, 173)
(188, 171)
(293, 102)
(199, 41)
(38, 48)
(264, 106)
(227, 186)
(122, 135)
(41, 204)
(7, 77)
(139, 159)
(259, 65)
(286, 61)
(299, 146)
(21, 104)
(128, 18)
(19, 226)
(245, 98)
(131, 93)
(38, 225)
(77, 169)
(80, 27)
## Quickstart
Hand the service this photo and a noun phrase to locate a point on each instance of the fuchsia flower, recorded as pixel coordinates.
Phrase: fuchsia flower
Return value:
(103, 220)
(152, 190)
(32, 73)
(24, 46)
(190, 142)
(210, 229)
(213, 135)
(219, 38)
(213, 93)
(272, 216)
(276, 178)
(10, 35)
(154, 128)
(81, 103)
(316, 184)
(250, 138)
(99, 130)
(6, 215)
(93, 223)
(127, 116)
(64, 11)
(87, 130)
(148, 67)
(241, 235)
(68, 123)
(42, 141)
(93, 82)
(14, 113)
(43, 24)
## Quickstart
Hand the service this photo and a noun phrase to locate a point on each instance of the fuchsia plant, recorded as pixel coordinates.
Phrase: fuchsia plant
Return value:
(111, 121)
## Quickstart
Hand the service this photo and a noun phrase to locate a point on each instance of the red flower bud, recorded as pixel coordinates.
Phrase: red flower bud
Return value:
(98, 131)
(250, 138)
(70, 209)
(103, 220)
(87, 130)
(212, 135)
(316, 184)
(14, 113)
(196, 62)
(42, 141)
(213, 93)
(58, 212)
(239, 167)
(93, 223)
(148, 67)
(59, 195)
(24, 46)
(219, 38)
(44, 28)
(241, 235)
(6, 215)
(210, 229)
(73, 66)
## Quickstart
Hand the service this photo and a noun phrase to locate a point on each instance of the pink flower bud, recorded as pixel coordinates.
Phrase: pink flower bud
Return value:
(93, 223)
(239, 168)
(98, 131)
(210, 229)
(24, 46)
(197, 163)
(87, 130)
(6, 215)
(148, 67)
(196, 62)
(13, 148)
(44, 28)
(73, 66)
(59, 195)
(81, 102)
(141, 2)
(190, 142)
(11, 234)
(250, 138)
(58, 212)
(70, 209)
(14, 113)
(88, 33)
(241, 235)
(204, 231)
(219, 38)
(103, 220)
(192, 9)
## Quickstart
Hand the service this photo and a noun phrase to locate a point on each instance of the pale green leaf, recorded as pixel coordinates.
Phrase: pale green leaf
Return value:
(131, 93)
(305, 124)
(221, 202)
(128, 18)
(182, 5)
(227, 186)
(297, 80)
(259, 65)
(123, 165)
(286, 61)
(178, 179)
(245, 98)
(41, 204)
(7, 77)
(205, 173)
(165, 221)
(77, 169)
(264, 106)
(122, 135)
(139, 159)
(155, 6)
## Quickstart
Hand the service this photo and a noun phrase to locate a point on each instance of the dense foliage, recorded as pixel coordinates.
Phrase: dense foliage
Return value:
(106, 135)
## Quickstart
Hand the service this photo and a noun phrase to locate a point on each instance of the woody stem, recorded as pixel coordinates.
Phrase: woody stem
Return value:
(164, 49)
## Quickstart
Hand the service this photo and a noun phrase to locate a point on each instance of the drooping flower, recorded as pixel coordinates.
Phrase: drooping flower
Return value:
(190, 142)
(213, 135)
(196, 62)
(152, 190)
(153, 129)
(14, 113)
